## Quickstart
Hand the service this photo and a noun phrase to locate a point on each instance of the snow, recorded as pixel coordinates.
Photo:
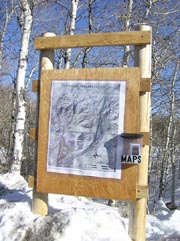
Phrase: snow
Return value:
(72, 218)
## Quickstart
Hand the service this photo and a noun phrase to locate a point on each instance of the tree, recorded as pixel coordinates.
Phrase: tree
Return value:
(6, 110)
(170, 144)
(73, 14)
(165, 94)
(9, 12)
(90, 25)
(25, 20)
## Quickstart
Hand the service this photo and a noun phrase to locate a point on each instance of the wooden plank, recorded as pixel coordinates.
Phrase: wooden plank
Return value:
(31, 181)
(145, 84)
(32, 134)
(142, 191)
(137, 220)
(120, 189)
(146, 138)
(35, 86)
(93, 40)
(40, 200)
(40, 203)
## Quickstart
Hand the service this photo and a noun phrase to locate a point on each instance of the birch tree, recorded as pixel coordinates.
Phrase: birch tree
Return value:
(9, 12)
(169, 150)
(126, 20)
(73, 14)
(26, 20)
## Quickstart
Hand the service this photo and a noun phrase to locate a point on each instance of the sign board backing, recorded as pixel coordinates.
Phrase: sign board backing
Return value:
(51, 182)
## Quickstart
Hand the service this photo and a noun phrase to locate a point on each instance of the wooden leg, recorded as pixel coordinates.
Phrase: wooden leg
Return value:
(40, 203)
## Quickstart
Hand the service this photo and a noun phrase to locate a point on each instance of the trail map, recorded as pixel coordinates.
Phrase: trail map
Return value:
(85, 119)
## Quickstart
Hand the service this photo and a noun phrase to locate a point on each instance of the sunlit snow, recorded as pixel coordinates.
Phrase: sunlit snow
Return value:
(72, 218)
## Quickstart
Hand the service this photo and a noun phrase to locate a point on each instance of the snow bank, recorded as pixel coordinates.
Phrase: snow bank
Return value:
(165, 225)
(72, 218)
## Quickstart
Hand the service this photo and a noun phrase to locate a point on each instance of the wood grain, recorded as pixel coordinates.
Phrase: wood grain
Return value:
(35, 85)
(145, 85)
(146, 138)
(32, 134)
(142, 191)
(120, 189)
(31, 181)
(40, 200)
(93, 40)
(138, 209)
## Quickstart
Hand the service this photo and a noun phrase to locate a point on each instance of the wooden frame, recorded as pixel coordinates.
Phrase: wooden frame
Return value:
(133, 185)
(94, 40)
(120, 189)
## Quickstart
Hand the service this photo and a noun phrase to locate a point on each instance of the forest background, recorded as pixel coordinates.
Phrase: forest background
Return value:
(23, 20)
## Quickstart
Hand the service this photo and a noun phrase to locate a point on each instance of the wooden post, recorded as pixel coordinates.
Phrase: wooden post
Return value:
(137, 219)
(40, 200)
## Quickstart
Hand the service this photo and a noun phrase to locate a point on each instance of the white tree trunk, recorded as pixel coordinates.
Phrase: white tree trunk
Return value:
(8, 15)
(169, 138)
(20, 87)
(127, 28)
(74, 4)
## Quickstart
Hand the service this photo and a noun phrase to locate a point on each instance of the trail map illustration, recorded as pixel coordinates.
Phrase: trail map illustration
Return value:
(85, 119)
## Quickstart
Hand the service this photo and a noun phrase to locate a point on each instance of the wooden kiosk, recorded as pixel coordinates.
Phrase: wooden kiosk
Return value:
(132, 185)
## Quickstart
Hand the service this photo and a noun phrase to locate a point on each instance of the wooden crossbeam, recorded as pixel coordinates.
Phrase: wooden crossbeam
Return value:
(141, 191)
(145, 84)
(35, 85)
(93, 40)
(32, 133)
(146, 138)
(31, 181)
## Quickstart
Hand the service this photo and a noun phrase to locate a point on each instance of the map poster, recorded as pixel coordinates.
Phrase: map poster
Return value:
(86, 118)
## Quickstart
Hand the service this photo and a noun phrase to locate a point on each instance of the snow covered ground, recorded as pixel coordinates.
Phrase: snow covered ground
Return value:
(72, 218)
